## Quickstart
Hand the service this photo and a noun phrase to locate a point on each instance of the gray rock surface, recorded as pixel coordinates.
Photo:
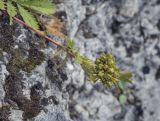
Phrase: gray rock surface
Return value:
(130, 30)
(33, 88)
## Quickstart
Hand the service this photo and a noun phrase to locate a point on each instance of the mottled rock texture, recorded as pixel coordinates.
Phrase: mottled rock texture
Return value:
(33, 88)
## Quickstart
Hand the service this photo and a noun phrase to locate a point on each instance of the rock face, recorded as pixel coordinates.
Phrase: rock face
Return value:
(31, 84)
(32, 87)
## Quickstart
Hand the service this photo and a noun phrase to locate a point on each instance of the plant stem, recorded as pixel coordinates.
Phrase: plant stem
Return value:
(38, 32)
(43, 35)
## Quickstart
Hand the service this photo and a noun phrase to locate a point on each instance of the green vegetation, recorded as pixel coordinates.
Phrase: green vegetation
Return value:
(27, 9)
(104, 68)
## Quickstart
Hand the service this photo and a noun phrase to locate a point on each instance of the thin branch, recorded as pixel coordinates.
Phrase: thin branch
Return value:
(38, 32)
(43, 35)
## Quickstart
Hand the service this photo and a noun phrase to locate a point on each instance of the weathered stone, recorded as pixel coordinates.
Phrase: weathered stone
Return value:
(33, 88)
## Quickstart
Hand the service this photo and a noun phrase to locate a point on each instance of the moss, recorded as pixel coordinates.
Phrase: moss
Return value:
(15, 62)
(14, 92)
(18, 62)
(6, 38)
(4, 113)
(1, 53)
(31, 109)
(13, 87)
(36, 56)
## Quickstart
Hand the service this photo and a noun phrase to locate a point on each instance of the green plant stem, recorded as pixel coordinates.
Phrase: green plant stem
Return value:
(43, 35)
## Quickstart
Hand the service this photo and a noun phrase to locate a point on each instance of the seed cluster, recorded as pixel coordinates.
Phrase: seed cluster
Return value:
(103, 69)
(106, 69)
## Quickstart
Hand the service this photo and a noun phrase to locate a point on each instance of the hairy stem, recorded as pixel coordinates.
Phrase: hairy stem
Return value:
(38, 32)
(43, 35)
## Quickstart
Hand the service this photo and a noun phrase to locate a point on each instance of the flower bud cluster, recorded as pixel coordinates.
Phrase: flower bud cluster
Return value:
(104, 69)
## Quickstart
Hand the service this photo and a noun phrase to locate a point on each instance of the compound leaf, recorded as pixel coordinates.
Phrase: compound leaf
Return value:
(28, 17)
(2, 6)
(42, 6)
(12, 11)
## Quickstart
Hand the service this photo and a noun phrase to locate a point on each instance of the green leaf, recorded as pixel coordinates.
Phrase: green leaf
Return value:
(69, 43)
(78, 58)
(2, 6)
(11, 10)
(125, 76)
(43, 6)
(123, 99)
(28, 17)
(122, 85)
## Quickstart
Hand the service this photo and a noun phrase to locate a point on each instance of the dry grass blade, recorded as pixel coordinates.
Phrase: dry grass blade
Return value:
(54, 27)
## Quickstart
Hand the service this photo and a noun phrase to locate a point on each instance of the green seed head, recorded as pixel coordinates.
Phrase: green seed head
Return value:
(104, 69)
(106, 64)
